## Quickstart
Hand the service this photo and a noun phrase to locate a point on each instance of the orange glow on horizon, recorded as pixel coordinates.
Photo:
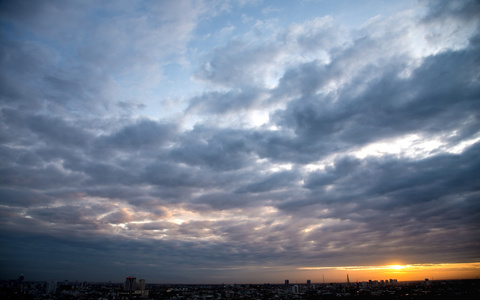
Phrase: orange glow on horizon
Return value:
(401, 272)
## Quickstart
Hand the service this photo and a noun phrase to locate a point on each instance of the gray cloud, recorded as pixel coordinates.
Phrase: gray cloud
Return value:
(87, 184)
(142, 134)
(220, 103)
(275, 181)
(234, 64)
(217, 149)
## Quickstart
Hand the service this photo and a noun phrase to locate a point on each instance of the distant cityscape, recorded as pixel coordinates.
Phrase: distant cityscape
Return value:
(131, 288)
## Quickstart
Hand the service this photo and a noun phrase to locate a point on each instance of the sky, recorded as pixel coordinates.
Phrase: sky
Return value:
(239, 141)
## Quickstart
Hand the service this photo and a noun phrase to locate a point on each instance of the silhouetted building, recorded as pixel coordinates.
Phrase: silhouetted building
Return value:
(51, 287)
(141, 284)
(130, 283)
(287, 284)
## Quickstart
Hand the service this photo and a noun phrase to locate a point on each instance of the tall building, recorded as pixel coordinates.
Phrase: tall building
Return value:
(295, 289)
(141, 284)
(51, 287)
(287, 284)
(133, 289)
(130, 284)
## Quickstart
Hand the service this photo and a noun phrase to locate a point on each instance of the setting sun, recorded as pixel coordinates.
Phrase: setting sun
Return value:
(397, 267)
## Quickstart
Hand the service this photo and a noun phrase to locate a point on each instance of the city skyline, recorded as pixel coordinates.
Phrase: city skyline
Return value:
(240, 141)
(458, 289)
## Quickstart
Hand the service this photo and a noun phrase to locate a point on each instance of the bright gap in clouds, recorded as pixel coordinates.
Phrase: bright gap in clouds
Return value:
(413, 146)
(259, 118)
(177, 218)
(410, 146)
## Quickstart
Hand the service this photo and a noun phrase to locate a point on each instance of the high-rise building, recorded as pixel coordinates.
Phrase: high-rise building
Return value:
(130, 284)
(51, 287)
(141, 284)
(287, 284)
(295, 289)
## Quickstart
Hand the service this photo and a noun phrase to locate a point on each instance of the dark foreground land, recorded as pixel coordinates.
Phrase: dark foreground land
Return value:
(442, 289)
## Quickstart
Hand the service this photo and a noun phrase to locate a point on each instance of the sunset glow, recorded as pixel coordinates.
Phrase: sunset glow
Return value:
(411, 272)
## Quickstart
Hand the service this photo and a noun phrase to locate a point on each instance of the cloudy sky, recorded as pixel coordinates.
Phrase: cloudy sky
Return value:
(239, 141)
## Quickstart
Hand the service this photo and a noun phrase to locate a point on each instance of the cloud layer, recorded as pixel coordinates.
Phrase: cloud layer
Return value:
(291, 145)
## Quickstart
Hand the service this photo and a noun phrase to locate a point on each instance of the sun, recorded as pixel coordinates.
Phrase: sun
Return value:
(397, 267)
